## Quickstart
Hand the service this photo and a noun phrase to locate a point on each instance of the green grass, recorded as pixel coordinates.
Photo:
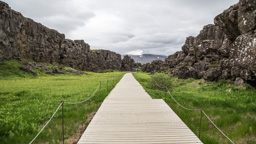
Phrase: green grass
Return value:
(232, 109)
(10, 70)
(27, 103)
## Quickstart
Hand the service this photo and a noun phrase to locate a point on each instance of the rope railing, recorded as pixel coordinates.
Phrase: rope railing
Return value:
(158, 85)
(202, 111)
(180, 104)
(46, 123)
(217, 127)
(85, 99)
(62, 103)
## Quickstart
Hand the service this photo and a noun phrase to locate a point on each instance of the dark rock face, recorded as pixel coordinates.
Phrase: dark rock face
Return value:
(185, 72)
(247, 16)
(238, 19)
(103, 59)
(228, 22)
(200, 55)
(127, 63)
(225, 50)
(21, 37)
(152, 67)
(74, 54)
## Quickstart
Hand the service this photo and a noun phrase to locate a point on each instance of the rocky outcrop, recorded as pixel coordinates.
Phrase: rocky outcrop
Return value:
(225, 50)
(21, 37)
(200, 55)
(127, 63)
(100, 60)
(30, 67)
(241, 62)
(152, 67)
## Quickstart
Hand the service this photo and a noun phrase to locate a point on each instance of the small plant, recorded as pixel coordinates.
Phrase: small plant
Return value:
(167, 70)
(161, 81)
(94, 51)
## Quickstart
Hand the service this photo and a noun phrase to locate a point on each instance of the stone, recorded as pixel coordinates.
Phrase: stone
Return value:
(185, 72)
(212, 74)
(26, 69)
(238, 81)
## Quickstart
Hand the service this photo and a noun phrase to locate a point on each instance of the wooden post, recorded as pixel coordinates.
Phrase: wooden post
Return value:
(200, 124)
(62, 121)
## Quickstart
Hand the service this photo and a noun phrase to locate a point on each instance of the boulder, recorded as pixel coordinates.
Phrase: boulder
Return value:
(27, 69)
(185, 72)
(238, 81)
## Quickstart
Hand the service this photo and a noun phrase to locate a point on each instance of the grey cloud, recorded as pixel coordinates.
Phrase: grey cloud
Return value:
(154, 26)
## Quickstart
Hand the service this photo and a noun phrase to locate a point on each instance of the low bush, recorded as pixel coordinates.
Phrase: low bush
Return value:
(160, 81)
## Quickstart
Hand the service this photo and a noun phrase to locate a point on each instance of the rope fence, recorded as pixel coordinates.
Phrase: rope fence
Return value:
(46, 123)
(201, 110)
(85, 99)
(73, 103)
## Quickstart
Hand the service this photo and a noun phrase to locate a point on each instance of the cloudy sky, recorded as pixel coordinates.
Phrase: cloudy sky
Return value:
(125, 26)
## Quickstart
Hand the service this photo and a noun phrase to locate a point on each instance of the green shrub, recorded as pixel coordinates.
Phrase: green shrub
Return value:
(167, 70)
(161, 81)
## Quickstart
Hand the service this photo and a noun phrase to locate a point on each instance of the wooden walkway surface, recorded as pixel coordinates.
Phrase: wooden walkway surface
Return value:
(130, 115)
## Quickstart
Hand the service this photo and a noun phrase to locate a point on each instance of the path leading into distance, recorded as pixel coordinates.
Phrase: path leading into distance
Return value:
(130, 115)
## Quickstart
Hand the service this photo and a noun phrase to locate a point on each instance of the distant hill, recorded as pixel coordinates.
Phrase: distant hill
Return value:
(147, 58)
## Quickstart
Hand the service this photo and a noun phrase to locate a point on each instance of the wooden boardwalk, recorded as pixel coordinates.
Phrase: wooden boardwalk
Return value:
(130, 115)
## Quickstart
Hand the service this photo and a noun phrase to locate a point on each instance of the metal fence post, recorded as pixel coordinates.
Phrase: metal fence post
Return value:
(200, 124)
(62, 122)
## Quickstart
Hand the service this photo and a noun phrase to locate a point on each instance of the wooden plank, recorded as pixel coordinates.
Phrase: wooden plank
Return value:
(130, 115)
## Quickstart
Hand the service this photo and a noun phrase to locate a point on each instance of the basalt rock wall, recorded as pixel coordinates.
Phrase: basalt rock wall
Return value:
(22, 37)
(225, 50)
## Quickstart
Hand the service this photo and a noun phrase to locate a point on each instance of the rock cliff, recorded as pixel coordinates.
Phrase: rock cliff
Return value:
(127, 63)
(21, 37)
(225, 50)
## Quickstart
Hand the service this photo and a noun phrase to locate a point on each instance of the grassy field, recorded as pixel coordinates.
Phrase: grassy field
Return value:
(232, 108)
(27, 103)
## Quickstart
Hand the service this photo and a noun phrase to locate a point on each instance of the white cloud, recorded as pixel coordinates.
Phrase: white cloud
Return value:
(125, 26)
(135, 52)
